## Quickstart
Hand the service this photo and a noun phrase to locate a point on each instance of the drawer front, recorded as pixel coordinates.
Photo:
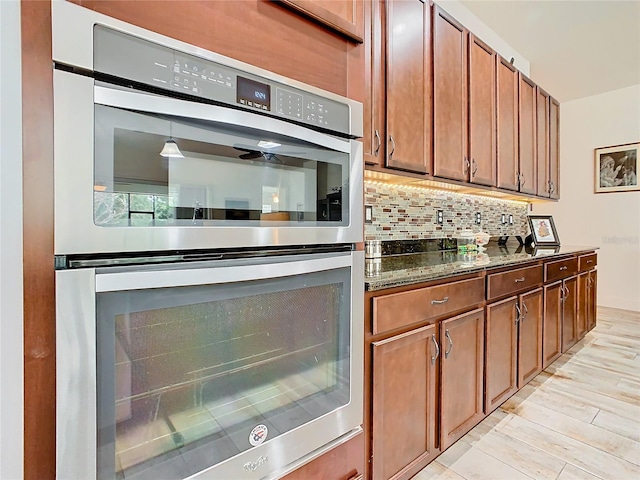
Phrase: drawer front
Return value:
(560, 269)
(587, 262)
(406, 308)
(513, 281)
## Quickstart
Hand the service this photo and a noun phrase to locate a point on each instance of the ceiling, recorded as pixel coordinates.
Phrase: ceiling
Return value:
(576, 48)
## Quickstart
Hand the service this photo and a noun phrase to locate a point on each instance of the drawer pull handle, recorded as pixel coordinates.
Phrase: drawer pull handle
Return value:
(564, 267)
(440, 302)
(589, 261)
(435, 343)
(446, 353)
(521, 279)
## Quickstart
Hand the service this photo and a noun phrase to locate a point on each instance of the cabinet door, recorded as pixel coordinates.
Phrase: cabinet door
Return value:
(374, 105)
(527, 131)
(552, 330)
(408, 86)
(404, 401)
(461, 400)
(542, 142)
(501, 350)
(583, 304)
(482, 112)
(343, 16)
(507, 124)
(530, 337)
(569, 313)
(592, 293)
(449, 97)
(554, 148)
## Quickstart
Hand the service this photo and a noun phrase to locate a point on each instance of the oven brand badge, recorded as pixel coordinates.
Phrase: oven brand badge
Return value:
(258, 435)
(253, 466)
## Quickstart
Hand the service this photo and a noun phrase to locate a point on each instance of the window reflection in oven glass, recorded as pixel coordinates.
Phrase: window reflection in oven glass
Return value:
(189, 383)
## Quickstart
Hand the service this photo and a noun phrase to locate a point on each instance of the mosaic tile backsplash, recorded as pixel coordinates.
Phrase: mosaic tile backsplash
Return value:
(407, 213)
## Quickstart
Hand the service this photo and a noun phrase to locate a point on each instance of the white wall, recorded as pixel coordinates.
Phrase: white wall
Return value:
(11, 321)
(463, 15)
(610, 221)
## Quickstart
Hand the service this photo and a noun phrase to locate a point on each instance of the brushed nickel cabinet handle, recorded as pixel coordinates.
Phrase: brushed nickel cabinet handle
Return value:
(526, 310)
(435, 344)
(521, 279)
(475, 166)
(564, 267)
(466, 164)
(393, 146)
(589, 261)
(378, 143)
(446, 334)
(440, 302)
(518, 313)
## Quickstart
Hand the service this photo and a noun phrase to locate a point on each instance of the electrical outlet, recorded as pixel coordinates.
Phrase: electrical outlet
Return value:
(440, 217)
(368, 214)
(510, 219)
(503, 219)
(478, 218)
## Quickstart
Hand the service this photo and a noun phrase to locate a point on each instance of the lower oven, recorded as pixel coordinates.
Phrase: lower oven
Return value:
(234, 368)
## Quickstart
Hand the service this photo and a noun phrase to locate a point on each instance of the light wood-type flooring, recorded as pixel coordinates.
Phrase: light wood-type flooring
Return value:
(579, 419)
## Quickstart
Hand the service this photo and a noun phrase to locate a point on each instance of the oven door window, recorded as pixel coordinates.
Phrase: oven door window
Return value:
(191, 376)
(227, 175)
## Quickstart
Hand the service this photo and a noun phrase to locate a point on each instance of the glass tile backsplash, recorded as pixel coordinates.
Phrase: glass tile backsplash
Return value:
(401, 212)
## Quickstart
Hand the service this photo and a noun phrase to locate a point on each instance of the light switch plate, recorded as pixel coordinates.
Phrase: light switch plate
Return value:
(478, 218)
(368, 214)
(440, 217)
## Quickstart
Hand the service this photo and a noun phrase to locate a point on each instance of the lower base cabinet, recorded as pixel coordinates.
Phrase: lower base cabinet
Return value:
(462, 363)
(552, 330)
(404, 402)
(530, 337)
(586, 302)
(569, 313)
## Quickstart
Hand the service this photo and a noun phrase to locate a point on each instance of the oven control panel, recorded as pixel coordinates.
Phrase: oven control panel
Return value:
(132, 58)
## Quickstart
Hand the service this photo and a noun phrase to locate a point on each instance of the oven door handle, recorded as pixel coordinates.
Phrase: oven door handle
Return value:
(143, 102)
(152, 278)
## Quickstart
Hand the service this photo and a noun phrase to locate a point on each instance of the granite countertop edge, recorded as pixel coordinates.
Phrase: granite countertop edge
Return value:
(409, 269)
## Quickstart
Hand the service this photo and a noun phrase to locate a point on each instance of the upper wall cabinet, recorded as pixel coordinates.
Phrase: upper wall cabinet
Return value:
(450, 157)
(554, 148)
(343, 16)
(507, 124)
(542, 142)
(527, 130)
(397, 106)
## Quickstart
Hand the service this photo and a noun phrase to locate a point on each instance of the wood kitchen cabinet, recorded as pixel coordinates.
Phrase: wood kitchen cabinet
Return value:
(404, 402)
(569, 313)
(554, 148)
(397, 106)
(586, 302)
(462, 375)
(552, 329)
(527, 161)
(342, 16)
(530, 336)
(507, 124)
(464, 103)
(543, 123)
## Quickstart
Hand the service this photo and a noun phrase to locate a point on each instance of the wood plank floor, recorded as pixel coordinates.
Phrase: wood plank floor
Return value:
(579, 419)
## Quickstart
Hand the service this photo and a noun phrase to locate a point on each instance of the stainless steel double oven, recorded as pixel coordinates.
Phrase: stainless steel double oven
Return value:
(209, 293)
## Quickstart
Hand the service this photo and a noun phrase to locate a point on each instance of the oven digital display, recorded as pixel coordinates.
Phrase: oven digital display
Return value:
(253, 94)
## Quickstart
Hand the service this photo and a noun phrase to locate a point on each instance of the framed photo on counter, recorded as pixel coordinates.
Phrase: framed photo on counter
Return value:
(543, 230)
(617, 168)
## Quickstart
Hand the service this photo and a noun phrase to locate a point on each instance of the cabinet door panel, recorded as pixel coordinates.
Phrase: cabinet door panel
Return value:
(461, 390)
(552, 330)
(404, 400)
(482, 112)
(569, 314)
(554, 147)
(343, 16)
(542, 142)
(592, 307)
(501, 350)
(408, 86)
(583, 305)
(530, 337)
(450, 97)
(373, 105)
(507, 124)
(527, 135)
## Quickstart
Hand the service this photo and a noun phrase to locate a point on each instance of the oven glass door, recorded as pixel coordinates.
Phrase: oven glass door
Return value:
(189, 376)
(228, 174)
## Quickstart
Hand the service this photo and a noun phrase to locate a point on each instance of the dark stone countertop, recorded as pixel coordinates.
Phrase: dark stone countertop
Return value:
(398, 270)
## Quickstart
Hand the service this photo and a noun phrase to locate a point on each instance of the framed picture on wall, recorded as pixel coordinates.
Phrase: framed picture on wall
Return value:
(543, 230)
(616, 168)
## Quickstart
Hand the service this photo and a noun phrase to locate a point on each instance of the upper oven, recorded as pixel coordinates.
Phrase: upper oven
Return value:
(163, 146)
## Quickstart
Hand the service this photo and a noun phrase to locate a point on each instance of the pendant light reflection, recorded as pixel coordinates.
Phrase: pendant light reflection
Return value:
(170, 149)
